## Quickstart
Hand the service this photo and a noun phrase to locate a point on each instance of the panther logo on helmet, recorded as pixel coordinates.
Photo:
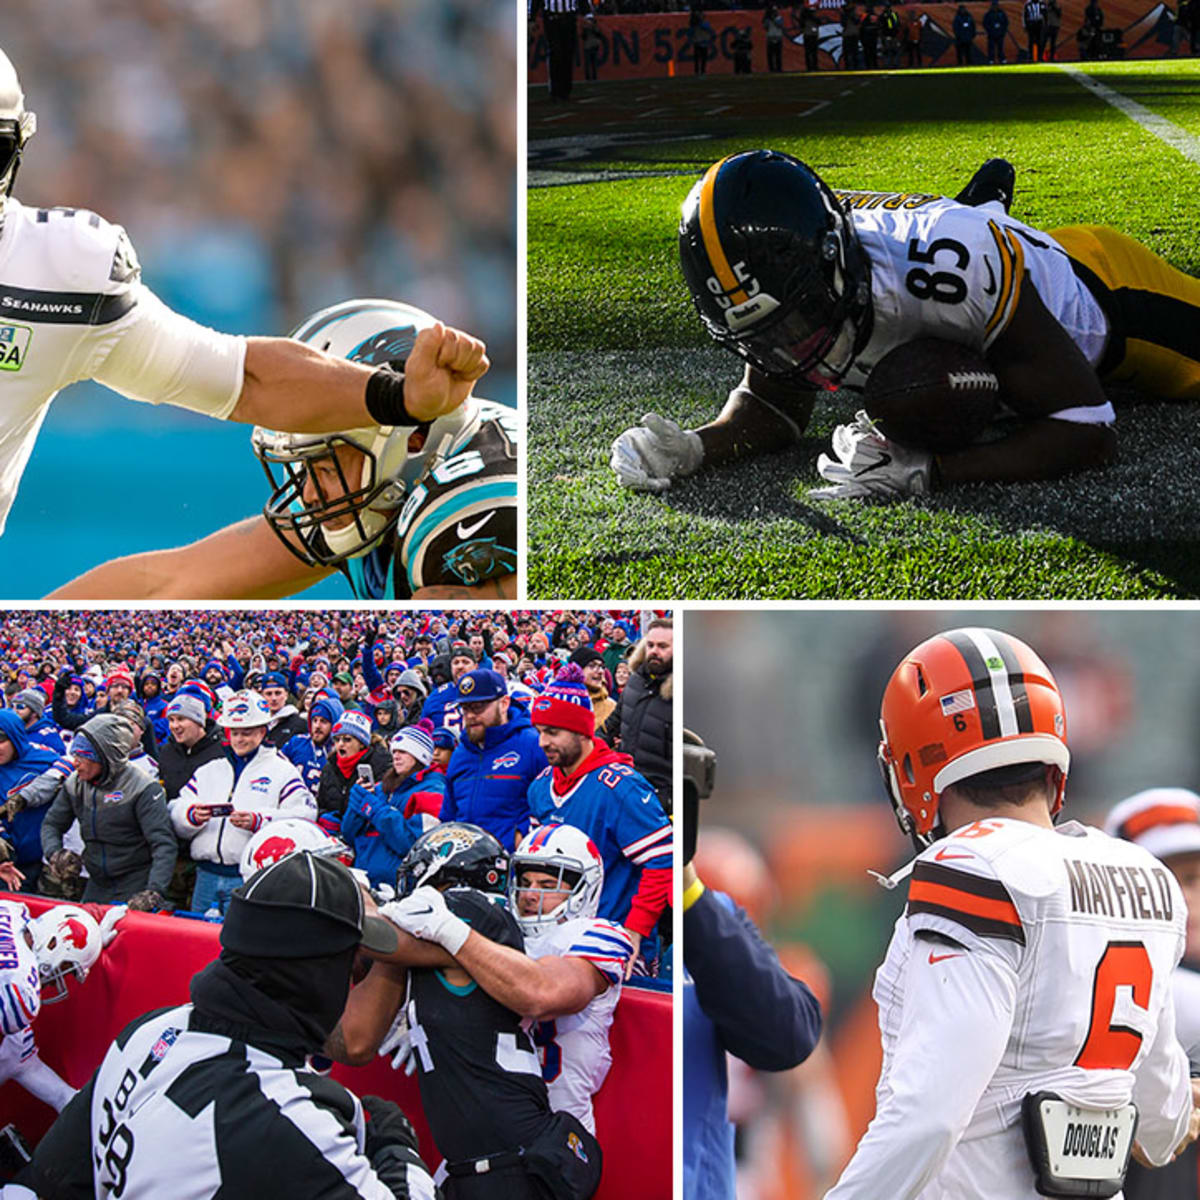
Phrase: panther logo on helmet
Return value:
(390, 346)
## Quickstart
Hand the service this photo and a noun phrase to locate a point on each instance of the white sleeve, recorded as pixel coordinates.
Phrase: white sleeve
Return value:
(1162, 1091)
(966, 1000)
(158, 356)
(1086, 414)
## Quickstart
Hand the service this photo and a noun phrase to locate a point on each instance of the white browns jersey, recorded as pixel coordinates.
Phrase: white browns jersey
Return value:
(574, 1049)
(72, 307)
(1027, 960)
(946, 270)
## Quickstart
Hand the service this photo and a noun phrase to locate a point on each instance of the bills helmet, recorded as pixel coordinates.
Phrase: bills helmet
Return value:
(325, 530)
(775, 267)
(17, 124)
(455, 854)
(571, 856)
(278, 839)
(963, 703)
(244, 710)
(67, 942)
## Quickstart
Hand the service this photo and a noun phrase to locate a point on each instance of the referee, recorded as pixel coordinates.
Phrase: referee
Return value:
(558, 23)
(214, 1098)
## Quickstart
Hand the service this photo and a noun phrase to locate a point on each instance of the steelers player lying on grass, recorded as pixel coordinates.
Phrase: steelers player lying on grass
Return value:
(814, 290)
(422, 511)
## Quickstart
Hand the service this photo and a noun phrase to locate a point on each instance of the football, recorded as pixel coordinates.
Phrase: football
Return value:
(932, 395)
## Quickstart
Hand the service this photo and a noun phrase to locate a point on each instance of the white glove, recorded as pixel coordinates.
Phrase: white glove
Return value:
(398, 1043)
(108, 926)
(647, 457)
(423, 913)
(868, 464)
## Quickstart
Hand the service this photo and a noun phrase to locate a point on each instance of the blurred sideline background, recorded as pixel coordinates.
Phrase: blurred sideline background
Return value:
(790, 703)
(267, 157)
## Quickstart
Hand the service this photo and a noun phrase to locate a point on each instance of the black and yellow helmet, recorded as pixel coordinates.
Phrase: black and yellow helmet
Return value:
(775, 268)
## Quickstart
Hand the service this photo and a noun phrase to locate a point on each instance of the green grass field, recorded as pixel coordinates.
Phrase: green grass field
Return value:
(612, 335)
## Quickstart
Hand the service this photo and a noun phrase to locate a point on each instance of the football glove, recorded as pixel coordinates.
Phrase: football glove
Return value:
(423, 913)
(649, 456)
(398, 1043)
(869, 464)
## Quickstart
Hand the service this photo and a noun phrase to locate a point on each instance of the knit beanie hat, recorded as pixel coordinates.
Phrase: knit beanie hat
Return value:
(355, 725)
(188, 706)
(565, 704)
(416, 740)
(32, 699)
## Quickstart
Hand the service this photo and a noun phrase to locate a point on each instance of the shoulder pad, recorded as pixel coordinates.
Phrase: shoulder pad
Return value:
(86, 252)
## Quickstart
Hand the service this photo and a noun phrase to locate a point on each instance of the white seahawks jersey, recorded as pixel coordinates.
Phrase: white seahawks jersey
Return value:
(1028, 960)
(574, 1049)
(942, 269)
(72, 307)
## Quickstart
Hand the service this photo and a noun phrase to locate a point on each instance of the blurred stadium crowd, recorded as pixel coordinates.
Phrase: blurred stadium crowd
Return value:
(426, 700)
(272, 157)
(799, 817)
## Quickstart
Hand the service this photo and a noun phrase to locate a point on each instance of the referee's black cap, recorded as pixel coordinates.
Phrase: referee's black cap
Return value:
(302, 906)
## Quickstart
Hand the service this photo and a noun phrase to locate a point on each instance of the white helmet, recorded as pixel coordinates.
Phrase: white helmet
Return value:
(571, 855)
(67, 942)
(244, 710)
(377, 333)
(278, 839)
(17, 125)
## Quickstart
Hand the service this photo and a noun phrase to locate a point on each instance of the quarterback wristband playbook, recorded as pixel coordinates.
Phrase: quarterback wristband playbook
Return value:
(385, 397)
(1077, 1151)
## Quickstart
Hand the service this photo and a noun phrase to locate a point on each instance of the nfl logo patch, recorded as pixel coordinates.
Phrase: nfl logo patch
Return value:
(166, 1040)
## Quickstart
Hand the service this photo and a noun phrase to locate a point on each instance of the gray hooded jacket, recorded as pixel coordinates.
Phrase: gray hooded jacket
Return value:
(122, 816)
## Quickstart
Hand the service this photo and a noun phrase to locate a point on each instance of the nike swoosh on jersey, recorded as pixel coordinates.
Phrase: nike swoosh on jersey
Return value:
(465, 531)
(937, 958)
(990, 290)
(942, 856)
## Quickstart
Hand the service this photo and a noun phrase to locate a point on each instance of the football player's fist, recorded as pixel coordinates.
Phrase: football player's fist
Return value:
(423, 914)
(868, 464)
(649, 456)
(441, 370)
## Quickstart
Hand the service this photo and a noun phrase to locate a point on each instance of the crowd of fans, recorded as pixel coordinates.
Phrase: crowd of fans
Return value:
(270, 158)
(146, 756)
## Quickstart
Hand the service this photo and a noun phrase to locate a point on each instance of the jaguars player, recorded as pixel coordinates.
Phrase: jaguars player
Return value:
(813, 288)
(73, 306)
(412, 511)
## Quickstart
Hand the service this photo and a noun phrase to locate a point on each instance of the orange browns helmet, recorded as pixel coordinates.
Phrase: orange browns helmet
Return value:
(961, 703)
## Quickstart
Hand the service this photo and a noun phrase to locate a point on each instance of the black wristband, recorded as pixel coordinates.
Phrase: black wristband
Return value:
(385, 397)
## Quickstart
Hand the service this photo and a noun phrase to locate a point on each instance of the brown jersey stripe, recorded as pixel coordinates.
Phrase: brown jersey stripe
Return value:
(963, 881)
(982, 926)
(958, 901)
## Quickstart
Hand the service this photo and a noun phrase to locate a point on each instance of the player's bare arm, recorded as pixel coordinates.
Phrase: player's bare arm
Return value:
(538, 988)
(761, 415)
(295, 387)
(1041, 371)
(245, 561)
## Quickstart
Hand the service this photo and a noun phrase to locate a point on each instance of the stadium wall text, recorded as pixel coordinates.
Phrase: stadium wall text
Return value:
(637, 47)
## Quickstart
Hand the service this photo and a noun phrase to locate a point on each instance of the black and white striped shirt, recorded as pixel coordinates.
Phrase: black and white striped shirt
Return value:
(177, 1111)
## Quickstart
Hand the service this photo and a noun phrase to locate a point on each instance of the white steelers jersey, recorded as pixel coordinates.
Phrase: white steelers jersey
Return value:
(1027, 960)
(72, 307)
(943, 269)
(574, 1049)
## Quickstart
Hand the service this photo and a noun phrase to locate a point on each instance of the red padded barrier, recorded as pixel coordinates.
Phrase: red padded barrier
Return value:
(151, 962)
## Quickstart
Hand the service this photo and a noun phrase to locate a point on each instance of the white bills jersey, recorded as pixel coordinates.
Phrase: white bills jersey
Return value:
(72, 307)
(946, 270)
(1028, 960)
(574, 1049)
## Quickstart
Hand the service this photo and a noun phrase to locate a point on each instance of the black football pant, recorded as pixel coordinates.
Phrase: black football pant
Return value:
(560, 47)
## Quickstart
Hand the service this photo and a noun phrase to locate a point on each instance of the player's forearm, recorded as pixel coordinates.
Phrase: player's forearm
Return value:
(526, 985)
(370, 1010)
(760, 416)
(1043, 449)
(297, 388)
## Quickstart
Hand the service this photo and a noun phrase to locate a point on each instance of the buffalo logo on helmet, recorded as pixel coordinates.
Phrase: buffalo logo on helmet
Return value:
(272, 850)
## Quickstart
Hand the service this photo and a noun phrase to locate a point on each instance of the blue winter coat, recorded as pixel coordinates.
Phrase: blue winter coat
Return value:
(375, 825)
(25, 829)
(487, 784)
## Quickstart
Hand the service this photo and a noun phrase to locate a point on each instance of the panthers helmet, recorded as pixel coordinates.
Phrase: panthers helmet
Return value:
(966, 702)
(455, 854)
(325, 530)
(277, 839)
(775, 268)
(17, 124)
(571, 855)
(67, 943)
